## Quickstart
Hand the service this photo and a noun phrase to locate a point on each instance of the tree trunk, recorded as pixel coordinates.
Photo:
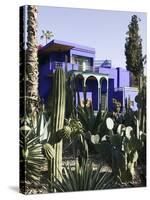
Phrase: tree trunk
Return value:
(31, 71)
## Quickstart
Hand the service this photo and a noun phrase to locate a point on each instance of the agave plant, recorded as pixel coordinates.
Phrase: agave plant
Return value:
(93, 124)
(31, 156)
(88, 119)
(84, 177)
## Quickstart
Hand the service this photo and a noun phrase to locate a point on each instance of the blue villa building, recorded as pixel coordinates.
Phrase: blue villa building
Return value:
(103, 83)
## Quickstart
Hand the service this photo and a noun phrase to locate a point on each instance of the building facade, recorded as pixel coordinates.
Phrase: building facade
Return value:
(98, 78)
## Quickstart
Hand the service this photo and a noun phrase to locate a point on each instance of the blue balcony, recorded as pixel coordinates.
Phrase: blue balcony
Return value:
(65, 66)
(69, 67)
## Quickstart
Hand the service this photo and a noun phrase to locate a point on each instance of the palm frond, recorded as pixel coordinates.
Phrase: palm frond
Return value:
(31, 156)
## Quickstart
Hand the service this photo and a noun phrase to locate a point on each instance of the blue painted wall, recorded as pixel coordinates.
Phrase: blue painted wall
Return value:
(119, 96)
(110, 94)
(122, 78)
(59, 56)
(112, 72)
(92, 86)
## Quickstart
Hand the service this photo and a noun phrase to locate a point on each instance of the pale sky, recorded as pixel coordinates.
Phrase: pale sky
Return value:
(103, 30)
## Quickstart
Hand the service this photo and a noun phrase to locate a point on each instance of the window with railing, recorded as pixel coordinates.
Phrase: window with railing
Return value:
(84, 63)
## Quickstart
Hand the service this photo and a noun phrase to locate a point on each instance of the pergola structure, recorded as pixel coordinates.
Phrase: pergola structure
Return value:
(100, 78)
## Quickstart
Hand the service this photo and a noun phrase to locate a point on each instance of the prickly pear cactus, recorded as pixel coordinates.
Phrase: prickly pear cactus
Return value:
(95, 139)
(57, 123)
(124, 153)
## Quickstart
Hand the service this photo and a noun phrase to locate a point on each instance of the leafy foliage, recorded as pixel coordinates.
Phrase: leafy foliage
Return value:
(47, 35)
(74, 132)
(133, 48)
(75, 126)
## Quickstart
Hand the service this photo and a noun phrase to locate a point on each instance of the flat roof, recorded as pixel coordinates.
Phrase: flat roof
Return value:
(58, 45)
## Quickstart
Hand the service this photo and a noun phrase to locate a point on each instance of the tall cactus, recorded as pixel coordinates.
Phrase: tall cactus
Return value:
(57, 123)
(70, 97)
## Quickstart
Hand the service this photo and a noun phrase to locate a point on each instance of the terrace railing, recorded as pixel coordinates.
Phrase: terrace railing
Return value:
(70, 66)
(102, 63)
(66, 67)
(89, 68)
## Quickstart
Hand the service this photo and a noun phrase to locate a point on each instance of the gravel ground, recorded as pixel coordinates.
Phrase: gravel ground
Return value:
(68, 159)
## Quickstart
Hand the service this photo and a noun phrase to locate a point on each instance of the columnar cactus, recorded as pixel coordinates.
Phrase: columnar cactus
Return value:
(57, 123)
(70, 96)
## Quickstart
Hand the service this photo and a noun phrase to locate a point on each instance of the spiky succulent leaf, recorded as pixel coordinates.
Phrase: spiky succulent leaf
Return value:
(31, 157)
(84, 178)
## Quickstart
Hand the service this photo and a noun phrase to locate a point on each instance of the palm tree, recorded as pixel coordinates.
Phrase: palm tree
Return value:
(31, 70)
(47, 35)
